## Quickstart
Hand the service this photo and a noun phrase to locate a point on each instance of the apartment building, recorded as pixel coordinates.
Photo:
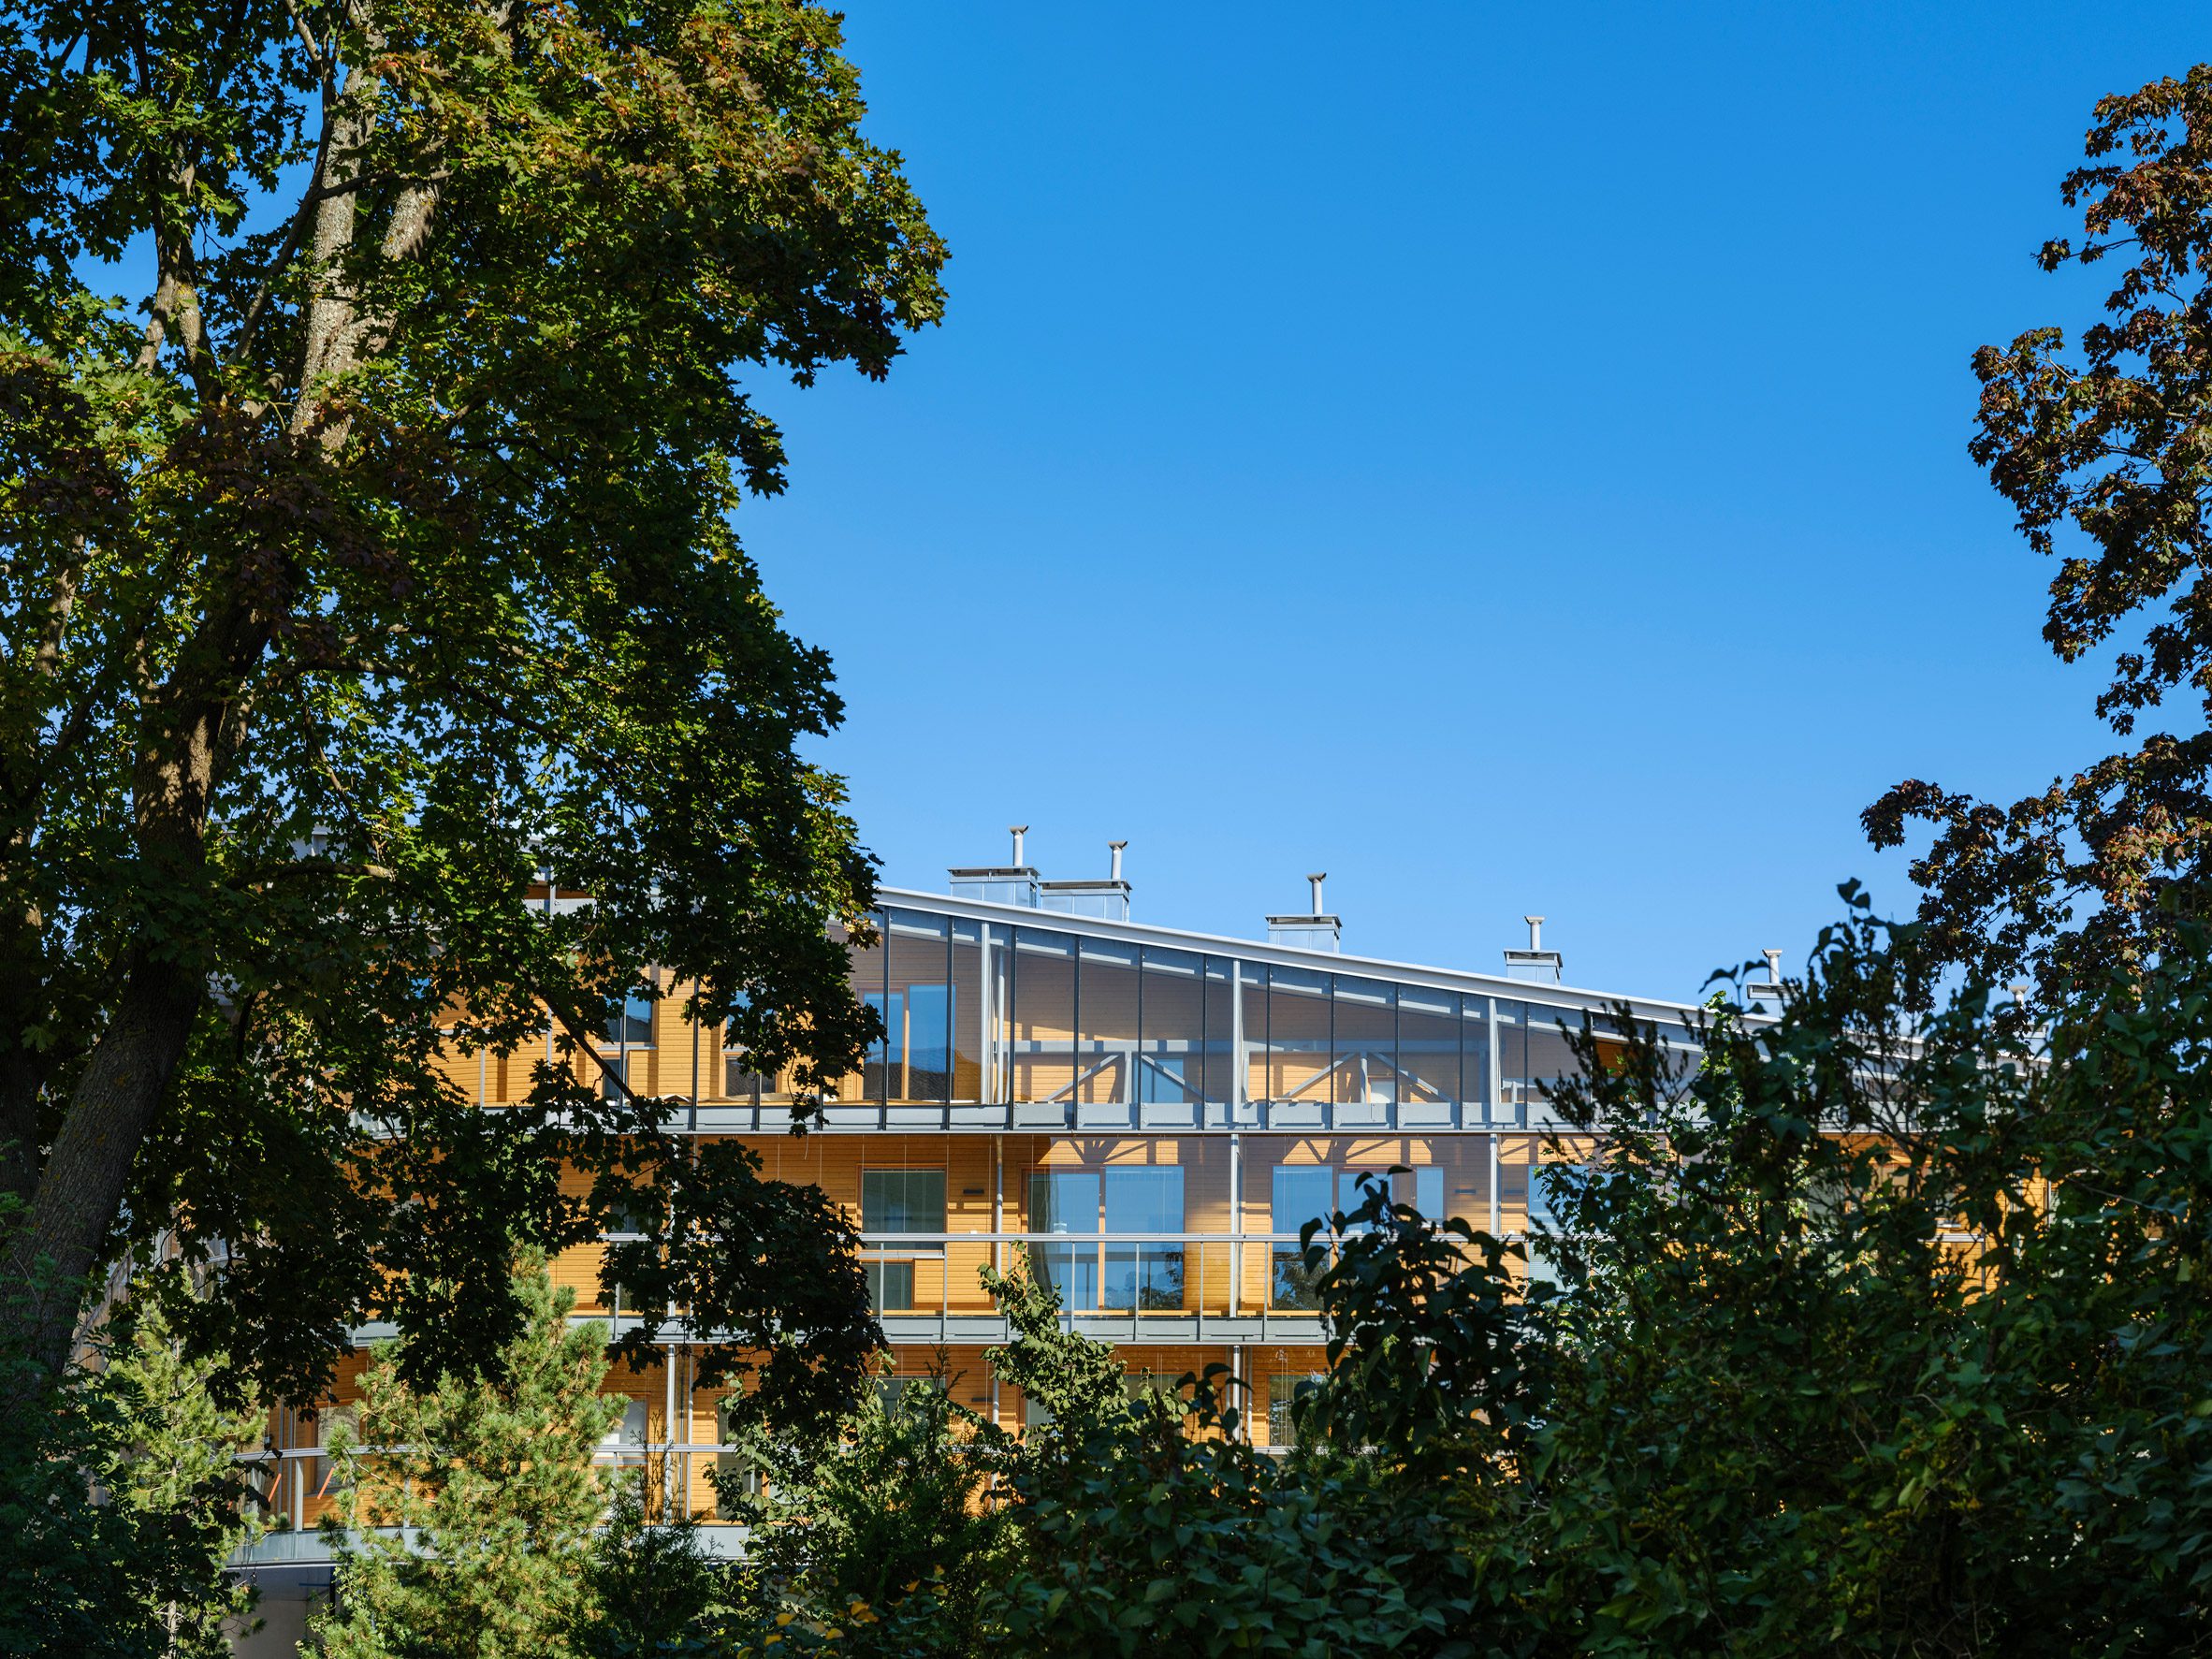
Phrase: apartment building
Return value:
(1145, 1115)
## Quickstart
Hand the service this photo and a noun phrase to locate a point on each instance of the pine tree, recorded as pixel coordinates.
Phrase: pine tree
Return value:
(494, 1488)
(178, 1475)
(121, 1498)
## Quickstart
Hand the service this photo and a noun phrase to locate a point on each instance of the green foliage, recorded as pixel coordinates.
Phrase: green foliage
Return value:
(647, 1586)
(1079, 1381)
(1157, 1537)
(486, 1495)
(1834, 1368)
(2099, 445)
(122, 1499)
(1831, 1365)
(895, 1536)
(370, 566)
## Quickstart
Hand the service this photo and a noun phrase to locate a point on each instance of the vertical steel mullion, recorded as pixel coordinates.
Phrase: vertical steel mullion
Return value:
(1236, 1038)
(1494, 1090)
(1236, 1220)
(1459, 1048)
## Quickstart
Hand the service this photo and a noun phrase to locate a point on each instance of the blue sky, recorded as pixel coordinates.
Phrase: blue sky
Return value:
(1511, 459)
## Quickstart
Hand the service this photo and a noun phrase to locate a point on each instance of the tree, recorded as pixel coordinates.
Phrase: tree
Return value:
(2101, 447)
(371, 582)
(492, 1488)
(122, 1504)
(895, 1535)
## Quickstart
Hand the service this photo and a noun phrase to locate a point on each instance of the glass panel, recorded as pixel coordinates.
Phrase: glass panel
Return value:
(1474, 1051)
(1219, 1083)
(1145, 1275)
(1429, 1045)
(918, 1008)
(895, 1201)
(1298, 1193)
(737, 1476)
(1282, 1390)
(1252, 988)
(1513, 1086)
(902, 1200)
(1462, 1191)
(1517, 1155)
(1170, 1051)
(1107, 1000)
(631, 1019)
(1549, 1056)
(964, 1014)
(741, 1082)
(1297, 1035)
(1366, 1042)
(891, 1287)
(885, 1065)
(866, 966)
(1044, 992)
(1066, 1202)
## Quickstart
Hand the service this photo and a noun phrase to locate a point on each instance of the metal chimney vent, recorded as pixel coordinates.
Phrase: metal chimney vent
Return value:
(1318, 931)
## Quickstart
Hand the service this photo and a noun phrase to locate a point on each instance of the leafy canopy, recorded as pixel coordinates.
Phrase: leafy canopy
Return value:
(369, 592)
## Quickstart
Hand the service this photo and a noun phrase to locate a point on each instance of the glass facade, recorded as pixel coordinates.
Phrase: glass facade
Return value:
(1144, 1120)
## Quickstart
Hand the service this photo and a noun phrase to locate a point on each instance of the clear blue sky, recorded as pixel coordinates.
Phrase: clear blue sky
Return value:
(1510, 458)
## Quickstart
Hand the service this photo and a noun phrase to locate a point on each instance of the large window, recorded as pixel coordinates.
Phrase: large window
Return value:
(1066, 1202)
(1106, 997)
(1147, 1274)
(1297, 1058)
(1043, 1014)
(630, 1017)
(1301, 1192)
(917, 1006)
(1429, 1033)
(893, 1201)
(1364, 1066)
(1086, 1203)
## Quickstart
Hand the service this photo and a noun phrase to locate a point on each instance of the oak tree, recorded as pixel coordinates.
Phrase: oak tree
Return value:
(2104, 447)
(374, 407)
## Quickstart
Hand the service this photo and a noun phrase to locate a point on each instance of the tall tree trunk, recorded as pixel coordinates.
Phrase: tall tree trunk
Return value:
(80, 1190)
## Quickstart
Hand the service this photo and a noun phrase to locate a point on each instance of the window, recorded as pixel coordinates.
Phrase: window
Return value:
(1145, 1383)
(740, 1082)
(737, 1477)
(1066, 1202)
(896, 1202)
(902, 1200)
(334, 1423)
(892, 1391)
(1140, 1274)
(1284, 1389)
(1311, 1192)
(928, 1043)
(1143, 1275)
(630, 1017)
(626, 1441)
(1302, 1193)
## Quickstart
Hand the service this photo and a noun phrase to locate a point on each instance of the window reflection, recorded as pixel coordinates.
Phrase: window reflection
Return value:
(1171, 1037)
(1297, 1055)
(1365, 1053)
(1042, 989)
(1106, 999)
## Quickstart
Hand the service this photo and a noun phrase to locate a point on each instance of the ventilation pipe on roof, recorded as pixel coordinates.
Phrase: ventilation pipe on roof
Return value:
(1012, 884)
(1108, 900)
(1319, 931)
(1536, 962)
(1770, 991)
